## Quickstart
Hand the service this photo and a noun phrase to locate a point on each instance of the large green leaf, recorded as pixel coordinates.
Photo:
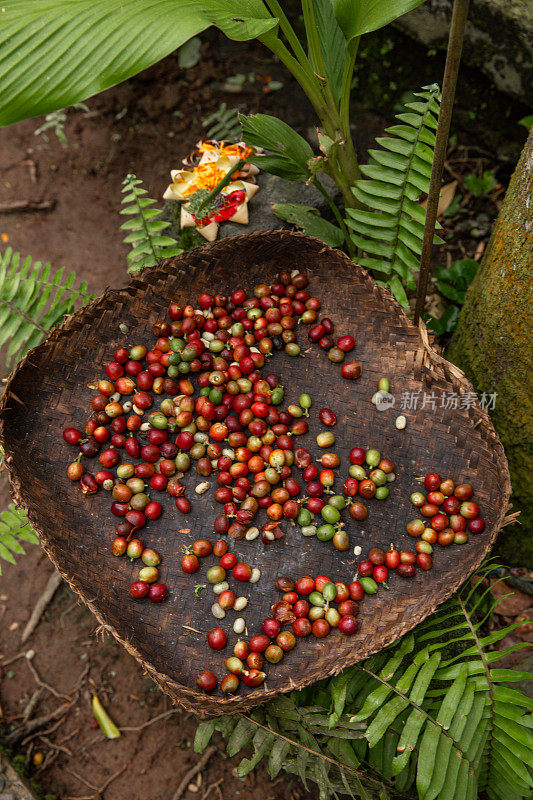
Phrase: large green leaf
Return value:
(57, 52)
(331, 45)
(286, 153)
(356, 17)
(310, 221)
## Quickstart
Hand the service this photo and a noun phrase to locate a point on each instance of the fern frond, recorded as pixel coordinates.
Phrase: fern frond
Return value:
(291, 735)
(442, 706)
(431, 715)
(389, 236)
(223, 124)
(32, 300)
(147, 243)
(14, 529)
(56, 121)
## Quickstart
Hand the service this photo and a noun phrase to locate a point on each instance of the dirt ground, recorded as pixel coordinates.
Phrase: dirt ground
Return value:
(144, 126)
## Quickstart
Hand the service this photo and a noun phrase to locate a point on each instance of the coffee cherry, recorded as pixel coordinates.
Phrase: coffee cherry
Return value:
(158, 592)
(301, 627)
(259, 642)
(139, 589)
(320, 628)
(348, 625)
(216, 639)
(206, 680)
(432, 481)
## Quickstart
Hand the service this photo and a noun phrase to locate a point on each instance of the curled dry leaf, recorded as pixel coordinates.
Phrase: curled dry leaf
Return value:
(515, 604)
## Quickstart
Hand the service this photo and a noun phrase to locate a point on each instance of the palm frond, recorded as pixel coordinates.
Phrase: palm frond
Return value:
(148, 244)
(33, 299)
(14, 529)
(431, 717)
(389, 234)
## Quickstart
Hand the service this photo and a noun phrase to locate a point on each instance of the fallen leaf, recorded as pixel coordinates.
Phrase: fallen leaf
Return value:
(511, 660)
(479, 251)
(516, 603)
(447, 193)
(105, 723)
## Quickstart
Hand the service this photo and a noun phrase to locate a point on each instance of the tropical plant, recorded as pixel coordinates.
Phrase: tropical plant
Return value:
(14, 529)
(43, 46)
(308, 218)
(481, 185)
(389, 234)
(148, 244)
(430, 717)
(72, 67)
(33, 298)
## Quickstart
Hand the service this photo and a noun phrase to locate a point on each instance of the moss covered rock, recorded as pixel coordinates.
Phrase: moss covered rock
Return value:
(493, 344)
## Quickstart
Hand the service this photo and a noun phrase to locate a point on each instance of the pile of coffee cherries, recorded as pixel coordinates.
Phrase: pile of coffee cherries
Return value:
(449, 514)
(217, 414)
(316, 615)
(310, 607)
(359, 484)
(232, 427)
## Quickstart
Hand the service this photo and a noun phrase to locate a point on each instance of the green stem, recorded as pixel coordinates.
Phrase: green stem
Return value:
(290, 34)
(338, 216)
(344, 168)
(346, 85)
(346, 154)
(218, 188)
(308, 82)
(299, 745)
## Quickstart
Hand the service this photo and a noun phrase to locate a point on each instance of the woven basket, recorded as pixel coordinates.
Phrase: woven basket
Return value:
(48, 392)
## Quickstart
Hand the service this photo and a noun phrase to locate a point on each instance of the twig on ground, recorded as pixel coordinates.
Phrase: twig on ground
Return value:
(98, 790)
(14, 206)
(31, 705)
(81, 779)
(193, 772)
(30, 163)
(150, 721)
(5, 663)
(70, 735)
(37, 722)
(55, 745)
(46, 732)
(113, 777)
(32, 725)
(211, 787)
(43, 685)
(51, 587)
(49, 759)
(188, 627)
(81, 679)
(456, 175)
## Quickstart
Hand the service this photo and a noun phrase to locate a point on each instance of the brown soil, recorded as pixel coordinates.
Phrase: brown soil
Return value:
(144, 126)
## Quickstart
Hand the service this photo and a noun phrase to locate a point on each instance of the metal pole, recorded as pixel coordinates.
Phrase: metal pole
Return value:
(453, 57)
